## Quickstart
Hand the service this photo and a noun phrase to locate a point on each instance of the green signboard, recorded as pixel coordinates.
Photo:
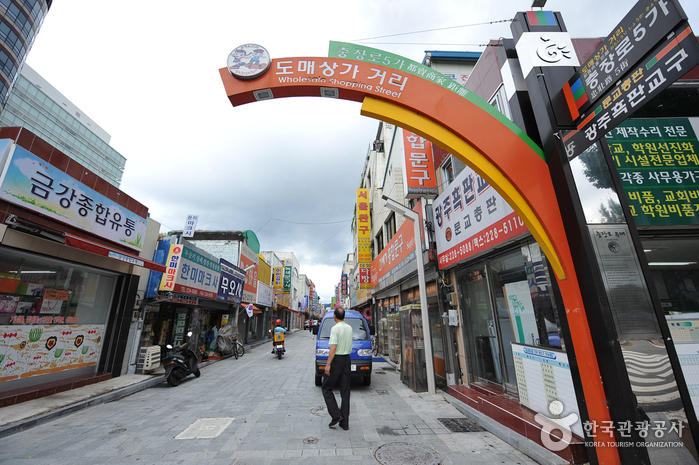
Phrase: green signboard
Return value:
(658, 165)
(287, 279)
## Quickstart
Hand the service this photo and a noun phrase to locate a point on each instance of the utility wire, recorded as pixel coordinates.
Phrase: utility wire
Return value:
(424, 43)
(294, 222)
(433, 30)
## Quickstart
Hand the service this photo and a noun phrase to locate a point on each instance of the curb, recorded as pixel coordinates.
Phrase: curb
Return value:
(40, 419)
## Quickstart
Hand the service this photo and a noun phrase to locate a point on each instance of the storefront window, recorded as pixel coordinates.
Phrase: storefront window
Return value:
(37, 290)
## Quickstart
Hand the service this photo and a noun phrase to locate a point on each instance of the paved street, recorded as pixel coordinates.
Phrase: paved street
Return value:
(278, 417)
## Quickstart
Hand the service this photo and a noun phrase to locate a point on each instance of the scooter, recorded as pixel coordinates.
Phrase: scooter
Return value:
(182, 363)
(279, 345)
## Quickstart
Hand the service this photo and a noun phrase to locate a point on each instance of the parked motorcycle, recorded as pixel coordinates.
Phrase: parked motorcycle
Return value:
(181, 363)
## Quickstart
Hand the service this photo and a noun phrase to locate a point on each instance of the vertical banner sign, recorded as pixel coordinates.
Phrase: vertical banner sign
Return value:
(287, 278)
(363, 238)
(665, 64)
(278, 278)
(470, 217)
(345, 290)
(190, 225)
(658, 164)
(420, 177)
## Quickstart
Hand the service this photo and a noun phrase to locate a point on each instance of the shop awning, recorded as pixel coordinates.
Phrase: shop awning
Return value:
(254, 309)
(103, 250)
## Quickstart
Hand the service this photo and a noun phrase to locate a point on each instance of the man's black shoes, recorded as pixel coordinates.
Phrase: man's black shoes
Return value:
(344, 427)
(335, 422)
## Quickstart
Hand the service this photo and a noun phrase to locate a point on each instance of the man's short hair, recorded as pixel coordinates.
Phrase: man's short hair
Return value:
(340, 314)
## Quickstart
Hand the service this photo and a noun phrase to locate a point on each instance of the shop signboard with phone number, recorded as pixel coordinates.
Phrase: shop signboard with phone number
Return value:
(470, 216)
(658, 165)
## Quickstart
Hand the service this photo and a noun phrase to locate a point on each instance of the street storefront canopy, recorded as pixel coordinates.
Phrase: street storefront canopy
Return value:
(100, 249)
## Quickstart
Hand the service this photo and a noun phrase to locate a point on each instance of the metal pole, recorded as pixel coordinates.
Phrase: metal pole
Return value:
(415, 218)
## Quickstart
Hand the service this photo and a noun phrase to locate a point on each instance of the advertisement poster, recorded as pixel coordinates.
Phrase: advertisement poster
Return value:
(36, 185)
(521, 310)
(30, 350)
(470, 217)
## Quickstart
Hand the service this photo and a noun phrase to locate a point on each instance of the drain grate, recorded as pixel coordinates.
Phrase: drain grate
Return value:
(382, 392)
(379, 372)
(402, 453)
(311, 440)
(117, 431)
(460, 425)
(205, 428)
(319, 411)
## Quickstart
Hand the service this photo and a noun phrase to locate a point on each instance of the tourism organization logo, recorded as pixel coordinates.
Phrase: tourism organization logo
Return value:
(548, 425)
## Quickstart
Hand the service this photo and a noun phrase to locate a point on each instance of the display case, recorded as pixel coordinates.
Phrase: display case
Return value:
(393, 343)
(413, 368)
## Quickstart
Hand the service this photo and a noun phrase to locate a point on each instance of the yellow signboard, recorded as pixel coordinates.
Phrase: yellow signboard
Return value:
(364, 237)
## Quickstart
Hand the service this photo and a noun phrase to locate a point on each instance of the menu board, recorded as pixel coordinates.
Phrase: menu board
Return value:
(543, 376)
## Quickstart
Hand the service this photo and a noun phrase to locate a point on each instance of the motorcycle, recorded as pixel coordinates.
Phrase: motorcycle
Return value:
(279, 345)
(180, 364)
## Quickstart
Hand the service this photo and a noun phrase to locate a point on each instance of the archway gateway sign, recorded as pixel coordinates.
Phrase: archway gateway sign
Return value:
(415, 97)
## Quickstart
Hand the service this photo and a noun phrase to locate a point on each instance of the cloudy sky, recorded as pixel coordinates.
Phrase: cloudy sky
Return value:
(147, 73)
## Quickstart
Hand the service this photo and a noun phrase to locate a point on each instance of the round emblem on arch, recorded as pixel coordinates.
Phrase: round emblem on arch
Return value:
(249, 61)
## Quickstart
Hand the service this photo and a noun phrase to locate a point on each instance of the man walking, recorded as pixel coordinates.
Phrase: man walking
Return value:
(338, 371)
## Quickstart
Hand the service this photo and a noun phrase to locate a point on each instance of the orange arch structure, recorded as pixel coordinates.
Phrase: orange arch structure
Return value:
(473, 131)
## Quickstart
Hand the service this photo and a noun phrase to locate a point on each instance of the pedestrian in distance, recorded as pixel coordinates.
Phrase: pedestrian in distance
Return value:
(338, 371)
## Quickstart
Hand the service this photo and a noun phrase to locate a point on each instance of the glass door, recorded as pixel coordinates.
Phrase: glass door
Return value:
(481, 332)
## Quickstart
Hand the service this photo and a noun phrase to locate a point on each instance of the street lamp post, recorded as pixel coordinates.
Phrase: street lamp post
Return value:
(415, 218)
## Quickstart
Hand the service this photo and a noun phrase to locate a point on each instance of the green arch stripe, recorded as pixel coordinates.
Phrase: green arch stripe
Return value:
(350, 51)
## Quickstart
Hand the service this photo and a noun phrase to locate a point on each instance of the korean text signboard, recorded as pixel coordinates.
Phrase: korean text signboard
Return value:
(190, 225)
(190, 272)
(420, 177)
(470, 217)
(278, 277)
(363, 238)
(36, 185)
(666, 63)
(230, 287)
(249, 260)
(398, 253)
(648, 22)
(658, 164)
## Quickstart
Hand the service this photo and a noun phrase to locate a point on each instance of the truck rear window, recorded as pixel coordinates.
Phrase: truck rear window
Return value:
(359, 331)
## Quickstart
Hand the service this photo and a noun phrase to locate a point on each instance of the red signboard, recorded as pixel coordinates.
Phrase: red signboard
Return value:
(420, 177)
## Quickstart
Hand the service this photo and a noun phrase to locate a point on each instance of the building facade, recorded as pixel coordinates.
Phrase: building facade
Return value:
(20, 22)
(36, 105)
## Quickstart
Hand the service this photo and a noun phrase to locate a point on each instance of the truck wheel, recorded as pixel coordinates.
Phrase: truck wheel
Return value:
(367, 380)
(319, 380)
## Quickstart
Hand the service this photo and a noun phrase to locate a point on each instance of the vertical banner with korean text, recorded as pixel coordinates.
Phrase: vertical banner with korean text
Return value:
(420, 176)
(363, 238)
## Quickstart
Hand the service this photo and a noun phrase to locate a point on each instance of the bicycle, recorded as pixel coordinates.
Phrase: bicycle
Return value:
(375, 346)
(238, 349)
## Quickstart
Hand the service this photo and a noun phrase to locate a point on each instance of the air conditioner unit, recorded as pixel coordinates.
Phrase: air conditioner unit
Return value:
(452, 299)
(148, 359)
